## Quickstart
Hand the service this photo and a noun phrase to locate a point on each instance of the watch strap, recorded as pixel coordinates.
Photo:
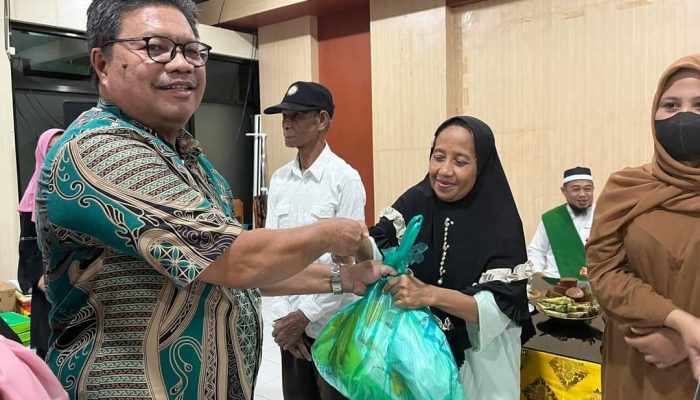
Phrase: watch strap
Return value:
(336, 285)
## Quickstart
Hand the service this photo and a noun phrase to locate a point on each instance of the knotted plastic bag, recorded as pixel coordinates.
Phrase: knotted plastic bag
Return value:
(372, 350)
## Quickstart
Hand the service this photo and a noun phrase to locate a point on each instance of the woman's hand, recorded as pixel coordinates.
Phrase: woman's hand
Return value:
(662, 347)
(688, 326)
(410, 292)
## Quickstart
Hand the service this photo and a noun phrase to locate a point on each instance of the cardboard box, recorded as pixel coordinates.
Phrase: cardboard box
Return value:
(7, 296)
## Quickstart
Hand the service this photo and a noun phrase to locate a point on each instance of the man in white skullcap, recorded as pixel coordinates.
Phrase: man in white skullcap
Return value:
(557, 249)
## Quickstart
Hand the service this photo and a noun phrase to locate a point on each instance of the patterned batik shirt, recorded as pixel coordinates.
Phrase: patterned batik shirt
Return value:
(127, 223)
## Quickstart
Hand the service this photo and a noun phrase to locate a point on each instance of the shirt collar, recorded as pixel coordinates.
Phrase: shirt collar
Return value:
(317, 167)
(186, 145)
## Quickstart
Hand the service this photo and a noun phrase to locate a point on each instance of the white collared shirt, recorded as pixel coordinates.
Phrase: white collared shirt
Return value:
(540, 251)
(329, 188)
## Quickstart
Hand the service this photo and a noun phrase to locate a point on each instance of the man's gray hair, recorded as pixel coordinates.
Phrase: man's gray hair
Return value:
(104, 18)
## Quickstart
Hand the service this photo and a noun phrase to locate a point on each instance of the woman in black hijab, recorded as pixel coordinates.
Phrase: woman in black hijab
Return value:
(471, 226)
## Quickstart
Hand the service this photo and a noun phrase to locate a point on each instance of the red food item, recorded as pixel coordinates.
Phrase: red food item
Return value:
(568, 282)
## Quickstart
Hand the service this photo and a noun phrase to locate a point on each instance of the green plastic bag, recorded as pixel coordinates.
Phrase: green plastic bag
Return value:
(372, 350)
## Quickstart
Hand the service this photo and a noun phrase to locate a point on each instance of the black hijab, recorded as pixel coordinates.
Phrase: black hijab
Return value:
(487, 233)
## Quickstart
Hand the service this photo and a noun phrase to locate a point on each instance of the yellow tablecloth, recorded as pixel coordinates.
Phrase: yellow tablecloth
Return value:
(545, 376)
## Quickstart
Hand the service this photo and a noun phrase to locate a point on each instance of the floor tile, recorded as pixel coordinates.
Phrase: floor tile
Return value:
(269, 383)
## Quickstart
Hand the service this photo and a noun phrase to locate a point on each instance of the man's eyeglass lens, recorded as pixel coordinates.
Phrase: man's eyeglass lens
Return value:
(162, 50)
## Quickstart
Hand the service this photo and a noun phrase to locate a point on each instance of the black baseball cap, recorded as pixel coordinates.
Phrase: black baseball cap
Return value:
(305, 96)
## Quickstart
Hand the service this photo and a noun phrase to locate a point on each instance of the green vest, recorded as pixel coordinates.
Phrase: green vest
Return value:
(565, 241)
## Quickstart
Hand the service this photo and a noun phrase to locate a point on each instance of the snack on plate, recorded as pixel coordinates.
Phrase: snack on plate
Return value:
(571, 288)
(556, 291)
(575, 293)
(568, 282)
(534, 294)
(565, 307)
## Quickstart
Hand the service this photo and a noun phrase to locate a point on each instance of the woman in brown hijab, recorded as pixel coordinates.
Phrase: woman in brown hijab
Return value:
(644, 253)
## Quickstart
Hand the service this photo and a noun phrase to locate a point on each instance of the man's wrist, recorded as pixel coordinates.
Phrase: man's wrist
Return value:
(365, 251)
(301, 314)
(327, 234)
(337, 278)
(346, 279)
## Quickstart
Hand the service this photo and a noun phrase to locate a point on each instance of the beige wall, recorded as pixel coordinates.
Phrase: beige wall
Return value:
(234, 9)
(66, 15)
(288, 53)
(568, 82)
(561, 82)
(409, 90)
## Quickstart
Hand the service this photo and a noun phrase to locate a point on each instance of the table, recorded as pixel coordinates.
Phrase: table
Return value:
(562, 361)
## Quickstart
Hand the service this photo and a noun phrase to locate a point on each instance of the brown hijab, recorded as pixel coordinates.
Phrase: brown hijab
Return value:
(662, 184)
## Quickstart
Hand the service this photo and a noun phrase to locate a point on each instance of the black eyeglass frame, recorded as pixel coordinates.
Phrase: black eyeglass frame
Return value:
(173, 52)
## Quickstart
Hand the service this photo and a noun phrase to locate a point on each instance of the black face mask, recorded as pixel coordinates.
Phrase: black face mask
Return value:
(680, 135)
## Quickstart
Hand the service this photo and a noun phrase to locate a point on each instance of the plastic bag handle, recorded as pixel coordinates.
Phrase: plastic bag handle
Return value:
(406, 254)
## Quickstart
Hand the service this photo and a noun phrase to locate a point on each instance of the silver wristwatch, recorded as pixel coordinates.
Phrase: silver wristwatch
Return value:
(335, 278)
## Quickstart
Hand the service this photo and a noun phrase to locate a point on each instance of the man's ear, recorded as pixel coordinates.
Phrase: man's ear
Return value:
(324, 120)
(563, 189)
(99, 63)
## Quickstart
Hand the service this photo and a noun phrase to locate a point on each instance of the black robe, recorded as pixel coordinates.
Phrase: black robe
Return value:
(487, 233)
(29, 271)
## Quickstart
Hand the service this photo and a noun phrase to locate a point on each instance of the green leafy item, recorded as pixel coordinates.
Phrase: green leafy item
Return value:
(372, 350)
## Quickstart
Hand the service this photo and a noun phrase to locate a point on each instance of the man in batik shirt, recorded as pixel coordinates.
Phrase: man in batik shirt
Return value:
(149, 273)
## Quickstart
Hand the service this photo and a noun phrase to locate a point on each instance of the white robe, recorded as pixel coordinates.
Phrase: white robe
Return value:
(491, 370)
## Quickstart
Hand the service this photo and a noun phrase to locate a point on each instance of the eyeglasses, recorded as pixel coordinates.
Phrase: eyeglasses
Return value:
(162, 49)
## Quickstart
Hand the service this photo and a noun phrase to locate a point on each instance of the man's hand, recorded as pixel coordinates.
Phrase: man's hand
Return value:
(364, 251)
(662, 347)
(345, 236)
(355, 278)
(289, 329)
(343, 259)
(300, 349)
(409, 292)
(41, 284)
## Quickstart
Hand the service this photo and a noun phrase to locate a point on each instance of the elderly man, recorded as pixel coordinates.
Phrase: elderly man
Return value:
(557, 249)
(315, 185)
(149, 274)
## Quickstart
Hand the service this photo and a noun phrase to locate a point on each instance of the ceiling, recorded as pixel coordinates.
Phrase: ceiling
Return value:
(248, 15)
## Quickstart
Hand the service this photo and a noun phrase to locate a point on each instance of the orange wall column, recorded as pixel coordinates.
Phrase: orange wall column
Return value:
(345, 68)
